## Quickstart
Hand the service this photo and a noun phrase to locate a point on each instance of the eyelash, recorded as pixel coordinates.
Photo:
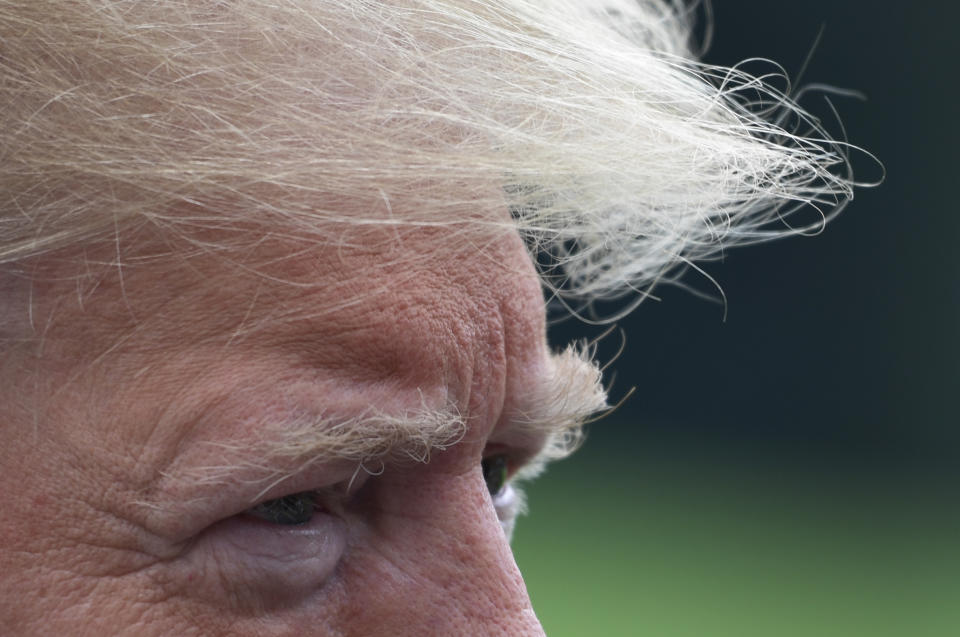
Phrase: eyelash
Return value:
(295, 509)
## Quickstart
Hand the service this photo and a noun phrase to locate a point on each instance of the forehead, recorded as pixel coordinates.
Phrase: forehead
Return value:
(437, 310)
(418, 306)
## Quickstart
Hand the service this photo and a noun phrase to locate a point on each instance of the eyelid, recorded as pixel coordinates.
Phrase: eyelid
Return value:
(186, 503)
(328, 499)
(519, 445)
(516, 457)
(243, 560)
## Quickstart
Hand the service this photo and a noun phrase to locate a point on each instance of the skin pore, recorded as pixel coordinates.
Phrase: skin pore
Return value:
(153, 412)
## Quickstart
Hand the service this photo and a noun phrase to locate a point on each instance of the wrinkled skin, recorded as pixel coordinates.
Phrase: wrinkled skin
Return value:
(126, 376)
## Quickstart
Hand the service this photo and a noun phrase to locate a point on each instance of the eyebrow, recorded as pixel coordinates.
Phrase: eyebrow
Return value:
(552, 414)
(567, 397)
(286, 449)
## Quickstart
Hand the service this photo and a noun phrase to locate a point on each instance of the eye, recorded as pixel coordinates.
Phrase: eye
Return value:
(275, 552)
(290, 510)
(494, 473)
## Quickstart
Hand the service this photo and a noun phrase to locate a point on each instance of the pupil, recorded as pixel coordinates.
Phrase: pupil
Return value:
(290, 510)
(494, 473)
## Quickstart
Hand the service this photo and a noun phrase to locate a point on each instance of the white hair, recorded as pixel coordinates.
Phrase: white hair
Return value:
(621, 158)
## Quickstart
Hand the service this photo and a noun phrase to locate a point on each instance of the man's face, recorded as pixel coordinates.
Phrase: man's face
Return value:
(163, 400)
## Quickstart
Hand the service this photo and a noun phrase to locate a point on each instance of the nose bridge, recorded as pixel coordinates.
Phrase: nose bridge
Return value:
(478, 587)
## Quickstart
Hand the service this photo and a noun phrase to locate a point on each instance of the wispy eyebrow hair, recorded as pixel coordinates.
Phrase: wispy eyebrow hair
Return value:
(552, 413)
(568, 396)
(286, 449)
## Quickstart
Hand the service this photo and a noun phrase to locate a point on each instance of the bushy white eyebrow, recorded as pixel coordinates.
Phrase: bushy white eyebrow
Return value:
(552, 414)
(568, 395)
(289, 448)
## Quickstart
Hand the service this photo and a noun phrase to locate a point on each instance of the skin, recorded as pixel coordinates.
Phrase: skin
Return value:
(125, 376)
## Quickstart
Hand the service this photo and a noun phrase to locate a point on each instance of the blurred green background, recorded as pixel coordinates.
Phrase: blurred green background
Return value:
(792, 470)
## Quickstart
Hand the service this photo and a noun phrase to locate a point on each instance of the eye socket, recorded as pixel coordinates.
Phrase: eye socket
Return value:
(290, 510)
(495, 473)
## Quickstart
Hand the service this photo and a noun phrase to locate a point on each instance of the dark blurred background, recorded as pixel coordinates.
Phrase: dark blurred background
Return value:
(791, 469)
